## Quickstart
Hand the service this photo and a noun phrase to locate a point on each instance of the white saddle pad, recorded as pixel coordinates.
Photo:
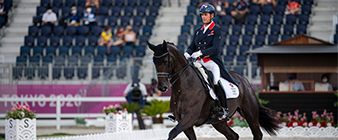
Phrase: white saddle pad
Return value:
(231, 90)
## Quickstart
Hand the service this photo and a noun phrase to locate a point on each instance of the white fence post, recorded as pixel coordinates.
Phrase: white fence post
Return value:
(50, 72)
(58, 112)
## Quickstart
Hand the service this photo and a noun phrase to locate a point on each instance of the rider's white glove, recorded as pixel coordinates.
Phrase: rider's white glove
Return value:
(186, 55)
(196, 54)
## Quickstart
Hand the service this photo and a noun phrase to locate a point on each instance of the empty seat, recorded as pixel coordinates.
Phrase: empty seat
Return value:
(280, 9)
(153, 10)
(255, 9)
(21, 61)
(96, 72)
(45, 2)
(46, 30)
(41, 41)
(231, 50)
(72, 60)
(58, 30)
(200, 22)
(46, 60)
(57, 3)
(112, 20)
(144, 2)
(56, 72)
(121, 72)
(76, 51)
(182, 40)
(103, 10)
(225, 29)
(137, 20)
(34, 60)
(262, 29)
(260, 40)
(141, 51)
(226, 20)
(194, 2)
(335, 38)
(241, 59)
(83, 30)
(101, 50)
(185, 29)
(125, 20)
(249, 29)
(128, 11)
(243, 49)
(95, 30)
(246, 39)
(301, 29)
(272, 39)
(85, 60)
(282, 2)
(82, 3)
(63, 51)
(308, 2)
(54, 41)
(233, 39)
(51, 51)
(116, 11)
(256, 46)
(119, 2)
(89, 50)
(267, 9)
(37, 51)
(141, 11)
(147, 30)
(17, 72)
(150, 20)
(228, 60)
(111, 60)
(80, 40)
(303, 19)
(70, 30)
(65, 11)
(265, 19)
(68, 72)
(290, 19)
(157, 3)
(288, 29)
(143, 40)
(59, 61)
(236, 29)
(67, 40)
(40, 10)
(127, 50)
(29, 41)
(251, 19)
(106, 2)
(239, 69)
(43, 72)
(277, 19)
(25, 51)
(98, 60)
(285, 37)
(188, 20)
(275, 29)
(191, 10)
(33, 30)
(253, 59)
(306, 9)
(29, 72)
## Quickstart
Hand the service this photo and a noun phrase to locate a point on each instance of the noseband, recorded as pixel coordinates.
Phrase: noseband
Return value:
(170, 75)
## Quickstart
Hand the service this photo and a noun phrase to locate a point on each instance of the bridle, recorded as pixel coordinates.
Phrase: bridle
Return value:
(170, 75)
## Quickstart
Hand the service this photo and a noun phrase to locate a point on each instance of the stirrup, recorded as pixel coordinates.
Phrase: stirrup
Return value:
(172, 118)
(224, 114)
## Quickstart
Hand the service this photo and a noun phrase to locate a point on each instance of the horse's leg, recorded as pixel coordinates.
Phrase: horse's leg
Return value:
(183, 125)
(223, 128)
(190, 133)
(251, 115)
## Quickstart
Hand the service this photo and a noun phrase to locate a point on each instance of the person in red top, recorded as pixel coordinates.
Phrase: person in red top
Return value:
(292, 7)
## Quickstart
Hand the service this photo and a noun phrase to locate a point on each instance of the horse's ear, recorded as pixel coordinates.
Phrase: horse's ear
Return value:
(151, 46)
(164, 44)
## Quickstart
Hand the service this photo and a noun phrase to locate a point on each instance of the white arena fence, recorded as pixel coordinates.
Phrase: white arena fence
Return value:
(205, 131)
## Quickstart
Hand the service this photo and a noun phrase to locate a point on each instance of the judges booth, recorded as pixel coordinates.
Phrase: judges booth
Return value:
(305, 59)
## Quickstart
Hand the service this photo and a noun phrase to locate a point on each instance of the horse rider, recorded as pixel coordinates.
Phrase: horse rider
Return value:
(206, 48)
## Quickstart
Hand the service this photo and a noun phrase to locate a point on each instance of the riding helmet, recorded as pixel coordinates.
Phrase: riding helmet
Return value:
(207, 8)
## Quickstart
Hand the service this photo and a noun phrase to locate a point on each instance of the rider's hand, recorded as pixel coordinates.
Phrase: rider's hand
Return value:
(186, 55)
(196, 54)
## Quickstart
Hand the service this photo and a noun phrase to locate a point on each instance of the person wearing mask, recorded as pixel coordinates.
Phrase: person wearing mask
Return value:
(106, 37)
(74, 18)
(153, 91)
(129, 36)
(93, 2)
(119, 37)
(49, 17)
(241, 9)
(3, 13)
(89, 17)
(325, 80)
(296, 86)
(292, 8)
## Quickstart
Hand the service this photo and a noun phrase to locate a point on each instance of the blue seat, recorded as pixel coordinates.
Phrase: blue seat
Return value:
(267, 9)
(33, 30)
(140, 50)
(285, 37)
(50, 51)
(306, 9)
(56, 10)
(127, 50)
(226, 20)
(253, 59)
(194, 2)
(336, 28)
(37, 51)
(29, 72)
(282, 2)
(259, 40)
(228, 60)
(70, 30)
(82, 3)
(56, 72)
(256, 46)
(225, 29)
(63, 51)
(54, 41)
(301, 29)
(246, 39)
(46, 30)
(101, 50)
(150, 20)
(141, 11)
(143, 40)
(41, 41)
(111, 60)
(85, 60)
(29, 41)
(308, 2)
(58, 30)
(68, 72)
(103, 10)
(125, 20)
(45, 2)
(251, 19)
(272, 39)
(34, 60)
(157, 3)
(95, 30)
(303, 19)
(89, 50)
(241, 59)
(191, 10)
(223, 40)
(239, 69)
(200, 22)
(59, 61)
(255, 9)
(128, 11)
(144, 2)
(229, 9)
(233, 39)
(80, 40)
(25, 51)
(100, 20)
(83, 30)
(121, 72)
(112, 20)
(275, 29)
(21, 61)
(72, 60)
(57, 3)
(153, 10)
(95, 72)
(243, 49)
(98, 60)
(136, 29)
(119, 2)
(335, 38)
(288, 29)
(106, 2)
(185, 29)
(67, 40)
(280, 9)
(199, 27)
(40, 10)
(262, 29)
(291, 19)
(147, 30)
(43, 72)
(116, 11)
(137, 20)
(231, 50)
(249, 29)
(65, 11)
(265, 19)
(17, 72)
(182, 40)
(92, 40)
(115, 50)
(188, 20)
(216, 19)
(277, 19)
(236, 29)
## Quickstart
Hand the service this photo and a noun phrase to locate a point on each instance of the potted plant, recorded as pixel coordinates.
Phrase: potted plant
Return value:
(155, 108)
(116, 119)
(20, 123)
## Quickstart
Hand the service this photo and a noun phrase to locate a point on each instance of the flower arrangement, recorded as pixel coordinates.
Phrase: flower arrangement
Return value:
(237, 120)
(112, 109)
(20, 112)
(324, 120)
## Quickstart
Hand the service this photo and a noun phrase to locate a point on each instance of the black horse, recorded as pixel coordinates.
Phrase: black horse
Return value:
(192, 106)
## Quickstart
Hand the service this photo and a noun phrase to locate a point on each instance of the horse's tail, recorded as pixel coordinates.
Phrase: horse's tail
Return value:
(267, 120)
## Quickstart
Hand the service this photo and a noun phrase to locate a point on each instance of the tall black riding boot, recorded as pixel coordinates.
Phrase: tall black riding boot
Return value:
(222, 100)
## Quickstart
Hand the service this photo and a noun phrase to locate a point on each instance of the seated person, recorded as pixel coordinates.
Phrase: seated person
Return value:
(89, 17)
(105, 39)
(325, 80)
(129, 36)
(292, 8)
(3, 12)
(218, 6)
(296, 86)
(241, 9)
(263, 2)
(119, 37)
(74, 18)
(228, 8)
(93, 2)
(49, 17)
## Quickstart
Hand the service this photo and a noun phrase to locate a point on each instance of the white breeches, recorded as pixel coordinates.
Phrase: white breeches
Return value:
(213, 67)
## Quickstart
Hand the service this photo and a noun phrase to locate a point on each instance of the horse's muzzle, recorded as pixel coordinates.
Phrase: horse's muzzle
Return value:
(163, 89)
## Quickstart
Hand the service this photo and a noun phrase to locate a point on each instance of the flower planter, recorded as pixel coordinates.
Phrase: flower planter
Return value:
(158, 122)
(118, 122)
(24, 129)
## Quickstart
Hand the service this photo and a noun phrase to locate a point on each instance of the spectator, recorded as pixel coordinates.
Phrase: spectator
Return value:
(105, 39)
(89, 17)
(292, 8)
(263, 2)
(296, 86)
(325, 80)
(129, 36)
(119, 37)
(93, 2)
(3, 13)
(49, 17)
(153, 91)
(74, 18)
(133, 90)
(241, 9)
(218, 6)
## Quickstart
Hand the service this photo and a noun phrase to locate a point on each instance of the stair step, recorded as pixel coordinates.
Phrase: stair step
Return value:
(12, 40)
(327, 2)
(16, 30)
(320, 28)
(322, 18)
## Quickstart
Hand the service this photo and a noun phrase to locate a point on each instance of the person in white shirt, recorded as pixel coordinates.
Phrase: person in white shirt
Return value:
(325, 80)
(49, 17)
(131, 86)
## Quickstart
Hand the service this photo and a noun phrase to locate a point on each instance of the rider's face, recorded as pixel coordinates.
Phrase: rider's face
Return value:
(206, 18)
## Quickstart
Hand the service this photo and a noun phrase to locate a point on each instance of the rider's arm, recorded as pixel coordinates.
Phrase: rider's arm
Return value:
(192, 46)
(216, 44)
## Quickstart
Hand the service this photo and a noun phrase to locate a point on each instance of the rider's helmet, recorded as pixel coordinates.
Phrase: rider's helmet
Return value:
(207, 8)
